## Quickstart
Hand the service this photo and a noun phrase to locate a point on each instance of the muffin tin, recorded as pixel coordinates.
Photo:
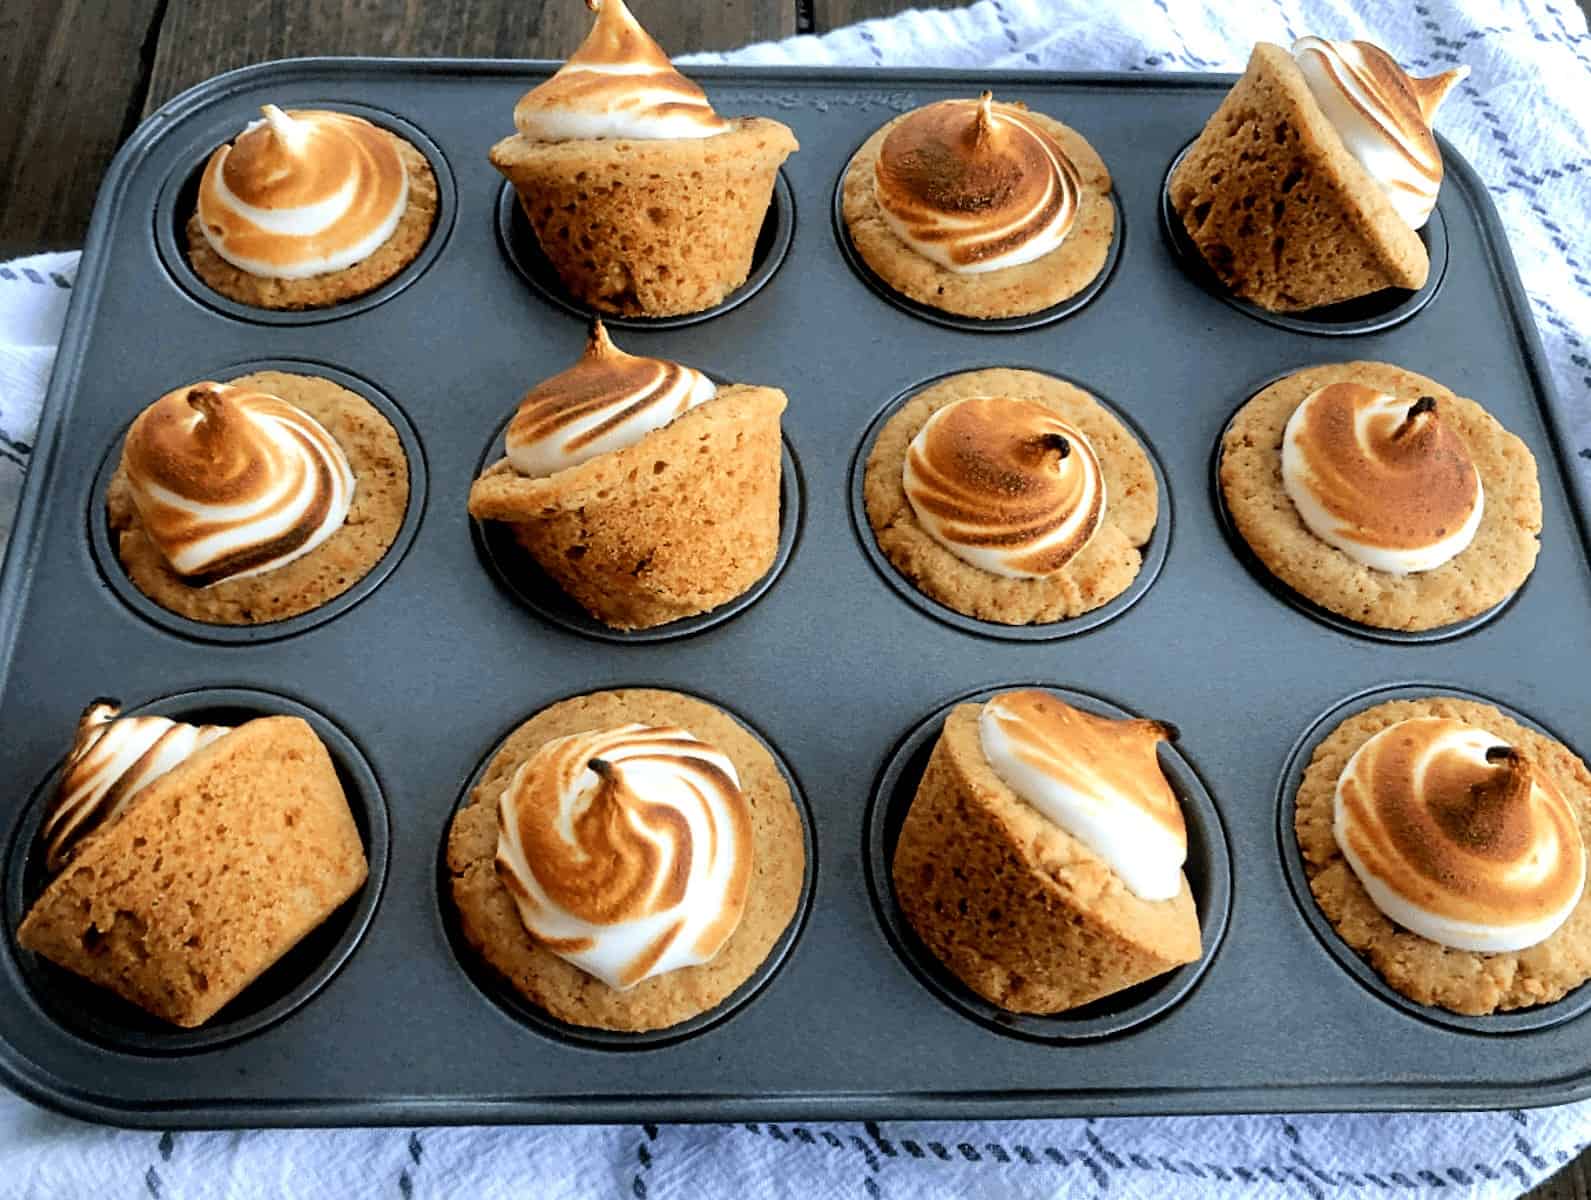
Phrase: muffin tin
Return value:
(422, 673)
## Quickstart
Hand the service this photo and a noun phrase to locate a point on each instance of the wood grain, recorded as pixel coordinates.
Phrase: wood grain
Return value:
(200, 38)
(73, 75)
(831, 14)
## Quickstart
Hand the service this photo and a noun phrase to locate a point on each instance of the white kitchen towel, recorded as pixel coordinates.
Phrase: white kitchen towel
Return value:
(1522, 121)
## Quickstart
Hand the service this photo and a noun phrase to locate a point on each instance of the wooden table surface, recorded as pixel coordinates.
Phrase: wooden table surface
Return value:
(88, 71)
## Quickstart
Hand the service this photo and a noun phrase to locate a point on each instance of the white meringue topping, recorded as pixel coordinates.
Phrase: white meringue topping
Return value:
(1383, 117)
(618, 84)
(1005, 485)
(605, 402)
(627, 851)
(1098, 779)
(1385, 481)
(1457, 838)
(230, 482)
(303, 193)
(112, 759)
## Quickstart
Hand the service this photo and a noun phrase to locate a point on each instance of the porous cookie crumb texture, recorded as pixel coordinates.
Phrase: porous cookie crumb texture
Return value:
(381, 498)
(1007, 292)
(1425, 971)
(649, 228)
(1100, 572)
(1275, 203)
(210, 875)
(333, 287)
(1020, 911)
(681, 522)
(1492, 568)
(490, 923)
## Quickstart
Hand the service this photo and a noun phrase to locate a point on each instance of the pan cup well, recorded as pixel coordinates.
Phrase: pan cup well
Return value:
(1208, 868)
(925, 312)
(99, 1016)
(1153, 552)
(102, 539)
(1262, 574)
(1525, 1020)
(518, 573)
(1367, 314)
(178, 200)
(506, 997)
(519, 245)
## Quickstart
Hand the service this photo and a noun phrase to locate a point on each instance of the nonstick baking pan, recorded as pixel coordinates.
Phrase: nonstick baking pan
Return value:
(837, 664)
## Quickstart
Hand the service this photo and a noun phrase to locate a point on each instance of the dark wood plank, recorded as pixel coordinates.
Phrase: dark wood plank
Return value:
(73, 73)
(201, 38)
(831, 14)
(1571, 1183)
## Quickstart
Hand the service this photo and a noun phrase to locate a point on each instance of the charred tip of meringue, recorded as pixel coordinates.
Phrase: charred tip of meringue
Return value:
(1503, 754)
(1433, 89)
(1165, 730)
(1058, 442)
(1422, 406)
(597, 340)
(601, 767)
(204, 398)
(983, 123)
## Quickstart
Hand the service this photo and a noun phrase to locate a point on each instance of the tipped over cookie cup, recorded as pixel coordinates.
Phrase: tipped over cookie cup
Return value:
(1010, 291)
(1425, 971)
(1102, 570)
(649, 228)
(331, 287)
(491, 926)
(376, 454)
(1479, 578)
(677, 524)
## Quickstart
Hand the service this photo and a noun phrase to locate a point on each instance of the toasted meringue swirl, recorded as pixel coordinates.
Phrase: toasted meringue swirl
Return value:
(618, 84)
(1005, 485)
(1099, 779)
(112, 759)
(1457, 838)
(1387, 482)
(230, 482)
(976, 186)
(302, 193)
(627, 851)
(606, 401)
(1383, 116)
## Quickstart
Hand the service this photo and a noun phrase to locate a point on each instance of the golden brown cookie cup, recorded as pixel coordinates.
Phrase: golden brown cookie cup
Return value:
(649, 228)
(1491, 569)
(381, 498)
(1101, 571)
(332, 287)
(490, 925)
(681, 522)
(1415, 967)
(1008, 292)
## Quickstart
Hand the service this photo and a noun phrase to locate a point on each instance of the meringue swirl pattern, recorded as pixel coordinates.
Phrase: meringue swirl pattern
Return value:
(230, 482)
(627, 851)
(302, 193)
(1386, 482)
(1005, 485)
(1456, 837)
(606, 401)
(1098, 778)
(618, 84)
(112, 759)
(1383, 116)
(976, 186)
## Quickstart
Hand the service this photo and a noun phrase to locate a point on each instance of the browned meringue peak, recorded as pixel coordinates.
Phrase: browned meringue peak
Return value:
(1388, 482)
(1005, 485)
(976, 186)
(606, 401)
(1457, 837)
(1383, 115)
(231, 482)
(112, 759)
(618, 84)
(627, 851)
(301, 193)
(1098, 778)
